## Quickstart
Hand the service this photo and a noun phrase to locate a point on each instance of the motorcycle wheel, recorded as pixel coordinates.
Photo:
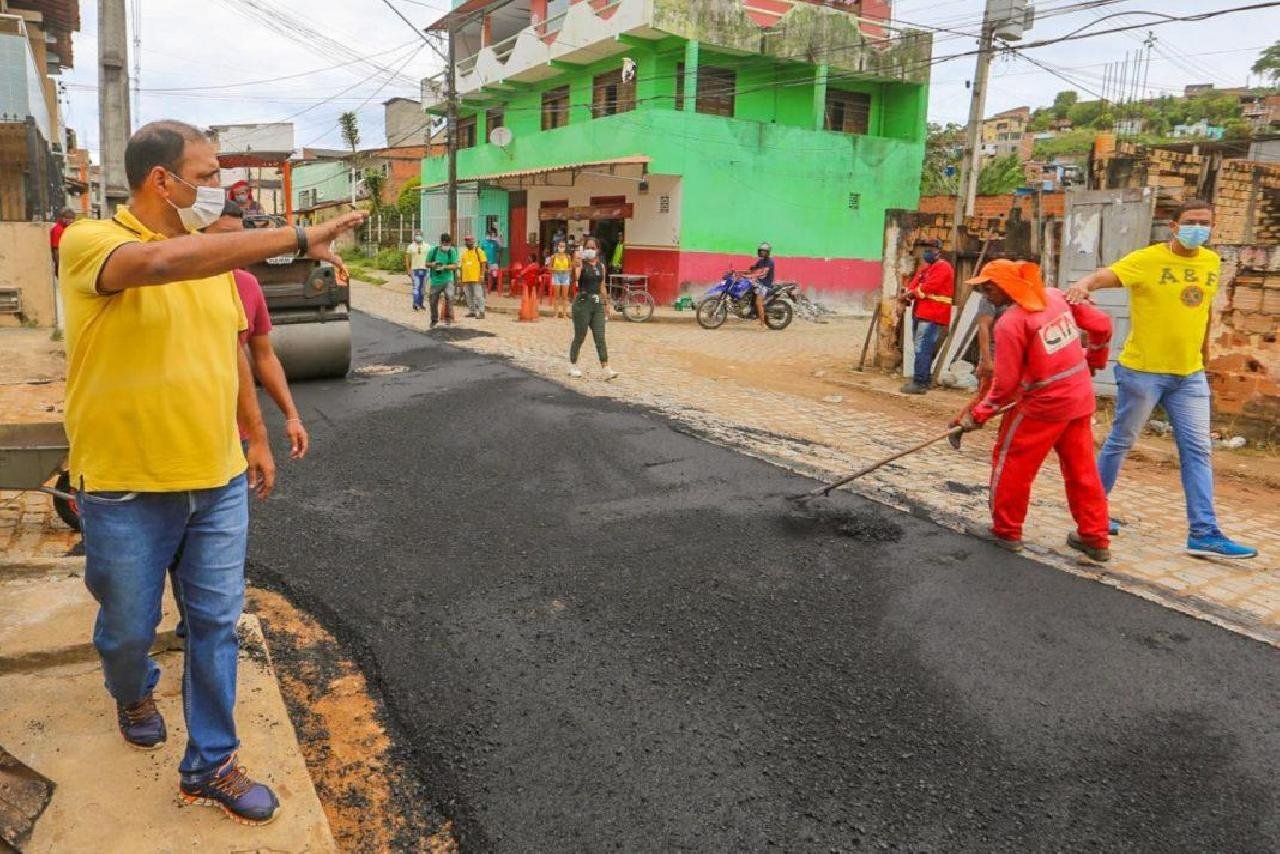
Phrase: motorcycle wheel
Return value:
(777, 315)
(638, 307)
(712, 313)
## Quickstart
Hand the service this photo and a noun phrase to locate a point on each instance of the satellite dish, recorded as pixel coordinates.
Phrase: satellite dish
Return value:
(501, 137)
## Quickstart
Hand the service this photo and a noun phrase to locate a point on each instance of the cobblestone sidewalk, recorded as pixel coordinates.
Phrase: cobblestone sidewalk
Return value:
(760, 392)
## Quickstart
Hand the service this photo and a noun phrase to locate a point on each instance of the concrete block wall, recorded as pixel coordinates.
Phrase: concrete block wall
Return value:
(27, 266)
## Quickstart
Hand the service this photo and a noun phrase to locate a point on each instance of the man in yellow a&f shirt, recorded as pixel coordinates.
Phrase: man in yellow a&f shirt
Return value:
(156, 384)
(1171, 287)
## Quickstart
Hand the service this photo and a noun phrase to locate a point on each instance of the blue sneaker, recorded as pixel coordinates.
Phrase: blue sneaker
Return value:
(230, 789)
(1218, 546)
(1113, 527)
(141, 724)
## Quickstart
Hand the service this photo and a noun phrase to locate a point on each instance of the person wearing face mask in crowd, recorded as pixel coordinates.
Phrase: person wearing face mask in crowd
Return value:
(1171, 287)
(415, 264)
(931, 290)
(157, 384)
(590, 308)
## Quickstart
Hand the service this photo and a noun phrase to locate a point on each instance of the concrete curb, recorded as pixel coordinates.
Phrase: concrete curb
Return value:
(56, 718)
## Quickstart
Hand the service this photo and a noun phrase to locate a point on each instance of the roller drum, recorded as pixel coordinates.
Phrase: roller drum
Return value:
(312, 345)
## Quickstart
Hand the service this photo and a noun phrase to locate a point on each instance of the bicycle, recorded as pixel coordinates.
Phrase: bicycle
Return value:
(630, 296)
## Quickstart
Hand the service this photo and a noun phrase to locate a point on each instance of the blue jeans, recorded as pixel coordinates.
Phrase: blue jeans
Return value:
(925, 333)
(1186, 402)
(419, 287)
(130, 540)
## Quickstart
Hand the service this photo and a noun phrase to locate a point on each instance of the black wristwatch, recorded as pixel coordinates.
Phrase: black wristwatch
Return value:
(303, 243)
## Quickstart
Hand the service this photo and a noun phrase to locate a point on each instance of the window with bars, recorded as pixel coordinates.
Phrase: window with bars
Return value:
(611, 95)
(555, 108)
(716, 87)
(467, 132)
(847, 112)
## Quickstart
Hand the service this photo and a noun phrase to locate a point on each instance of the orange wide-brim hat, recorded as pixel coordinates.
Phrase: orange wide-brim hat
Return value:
(1019, 279)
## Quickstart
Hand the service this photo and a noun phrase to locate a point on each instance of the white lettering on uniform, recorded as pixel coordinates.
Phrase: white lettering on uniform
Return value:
(1059, 333)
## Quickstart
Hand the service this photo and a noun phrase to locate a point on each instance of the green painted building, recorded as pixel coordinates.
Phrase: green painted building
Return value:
(692, 130)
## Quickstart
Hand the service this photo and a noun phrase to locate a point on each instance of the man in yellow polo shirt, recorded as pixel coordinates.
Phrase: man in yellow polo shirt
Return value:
(156, 384)
(1171, 288)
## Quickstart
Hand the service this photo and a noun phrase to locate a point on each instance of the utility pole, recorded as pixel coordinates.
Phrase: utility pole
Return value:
(451, 129)
(967, 188)
(1150, 42)
(113, 101)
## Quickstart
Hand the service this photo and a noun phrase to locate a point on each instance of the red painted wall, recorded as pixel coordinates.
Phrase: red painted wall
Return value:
(672, 272)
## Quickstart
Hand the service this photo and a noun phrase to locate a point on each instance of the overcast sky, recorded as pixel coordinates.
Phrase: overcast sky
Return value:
(201, 51)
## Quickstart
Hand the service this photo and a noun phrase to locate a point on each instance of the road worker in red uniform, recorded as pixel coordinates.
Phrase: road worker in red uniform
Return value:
(1043, 366)
(932, 290)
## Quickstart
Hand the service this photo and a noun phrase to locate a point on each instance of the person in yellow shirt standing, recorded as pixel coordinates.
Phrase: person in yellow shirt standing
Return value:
(156, 388)
(471, 269)
(1171, 288)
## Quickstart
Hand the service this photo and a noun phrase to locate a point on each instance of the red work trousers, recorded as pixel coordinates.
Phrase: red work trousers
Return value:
(1020, 449)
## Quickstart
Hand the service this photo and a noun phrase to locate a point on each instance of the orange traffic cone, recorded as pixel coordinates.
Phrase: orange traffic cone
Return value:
(528, 307)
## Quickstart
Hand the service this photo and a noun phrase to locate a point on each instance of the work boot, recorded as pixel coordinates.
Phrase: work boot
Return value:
(912, 388)
(1093, 552)
(141, 724)
(230, 789)
(990, 536)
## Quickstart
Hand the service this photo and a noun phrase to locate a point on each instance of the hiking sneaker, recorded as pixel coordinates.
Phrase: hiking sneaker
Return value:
(1091, 551)
(609, 374)
(1218, 545)
(912, 388)
(574, 372)
(141, 724)
(1113, 527)
(990, 536)
(231, 790)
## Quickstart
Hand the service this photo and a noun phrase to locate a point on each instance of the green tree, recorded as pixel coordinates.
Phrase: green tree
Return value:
(1084, 113)
(1237, 129)
(1001, 175)
(1063, 102)
(374, 182)
(1268, 64)
(1041, 120)
(941, 154)
(351, 136)
(409, 202)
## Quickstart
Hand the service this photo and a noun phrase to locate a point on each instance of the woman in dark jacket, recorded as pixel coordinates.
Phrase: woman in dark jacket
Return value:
(590, 308)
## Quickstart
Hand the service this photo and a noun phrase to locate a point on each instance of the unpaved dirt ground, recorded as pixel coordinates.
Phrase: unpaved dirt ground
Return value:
(369, 795)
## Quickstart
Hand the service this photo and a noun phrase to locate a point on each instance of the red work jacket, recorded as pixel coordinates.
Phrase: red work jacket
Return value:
(933, 287)
(1042, 361)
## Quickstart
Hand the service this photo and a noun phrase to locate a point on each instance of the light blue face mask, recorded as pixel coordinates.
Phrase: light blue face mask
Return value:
(1193, 236)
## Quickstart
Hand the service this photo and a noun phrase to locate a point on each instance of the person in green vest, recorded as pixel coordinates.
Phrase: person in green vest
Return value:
(443, 263)
(616, 261)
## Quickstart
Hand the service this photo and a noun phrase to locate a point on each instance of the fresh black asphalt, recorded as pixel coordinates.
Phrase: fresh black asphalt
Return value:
(596, 632)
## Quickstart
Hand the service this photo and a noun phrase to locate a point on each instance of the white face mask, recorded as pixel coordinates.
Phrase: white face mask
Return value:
(206, 209)
(588, 254)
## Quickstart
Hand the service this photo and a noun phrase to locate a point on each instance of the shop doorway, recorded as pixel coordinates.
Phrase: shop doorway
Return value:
(548, 229)
(610, 232)
(518, 221)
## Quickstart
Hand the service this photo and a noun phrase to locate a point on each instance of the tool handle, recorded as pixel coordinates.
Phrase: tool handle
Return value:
(826, 490)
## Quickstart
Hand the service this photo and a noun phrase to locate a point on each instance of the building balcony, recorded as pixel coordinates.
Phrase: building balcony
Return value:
(21, 82)
(503, 47)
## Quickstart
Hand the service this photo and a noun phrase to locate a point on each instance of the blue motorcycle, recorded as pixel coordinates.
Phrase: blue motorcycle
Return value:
(736, 293)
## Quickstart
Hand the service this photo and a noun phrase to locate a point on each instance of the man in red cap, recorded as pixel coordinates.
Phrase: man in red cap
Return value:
(1043, 367)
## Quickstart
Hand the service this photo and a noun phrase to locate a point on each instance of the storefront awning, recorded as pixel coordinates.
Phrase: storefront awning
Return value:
(522, 174)
(622, 211)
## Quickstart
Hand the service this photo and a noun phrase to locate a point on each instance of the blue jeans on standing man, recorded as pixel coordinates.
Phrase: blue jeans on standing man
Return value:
(419, 287)
(130, 539)
(1186, 402)
(926, 334)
